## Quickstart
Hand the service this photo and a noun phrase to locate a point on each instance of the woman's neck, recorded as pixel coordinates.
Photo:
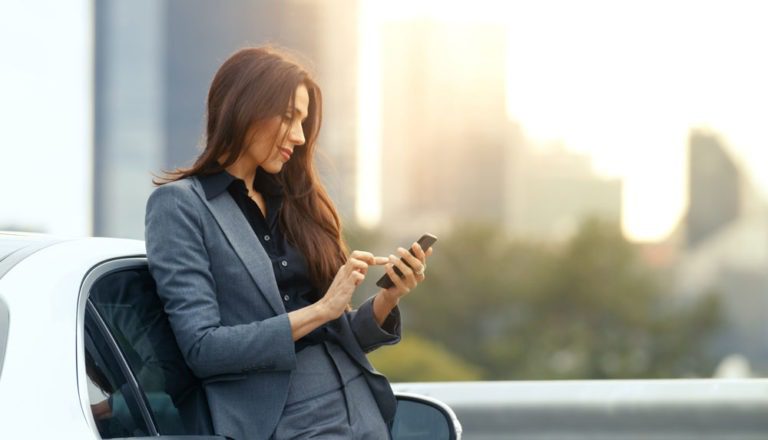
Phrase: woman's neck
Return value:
(244, 171)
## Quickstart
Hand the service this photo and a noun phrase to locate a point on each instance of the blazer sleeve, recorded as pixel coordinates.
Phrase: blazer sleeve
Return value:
(180, 265)
(367, 331)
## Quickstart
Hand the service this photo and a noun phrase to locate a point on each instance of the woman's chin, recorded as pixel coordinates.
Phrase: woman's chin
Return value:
(273, 167)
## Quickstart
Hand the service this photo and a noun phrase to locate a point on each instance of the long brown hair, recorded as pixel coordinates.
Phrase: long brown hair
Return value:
(253, 85)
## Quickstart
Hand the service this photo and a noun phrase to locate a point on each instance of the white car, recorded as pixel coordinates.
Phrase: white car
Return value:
(86, 351)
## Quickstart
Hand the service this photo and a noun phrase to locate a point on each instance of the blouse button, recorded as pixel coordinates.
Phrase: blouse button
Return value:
(284, 263)
(286, 297)
(266, 238)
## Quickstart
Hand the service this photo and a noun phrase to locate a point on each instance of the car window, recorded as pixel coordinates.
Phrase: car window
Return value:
(114, 402)
(127, 302)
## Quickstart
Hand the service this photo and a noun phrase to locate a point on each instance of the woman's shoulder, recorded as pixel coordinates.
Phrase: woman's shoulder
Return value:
(171, 206)
(185, 183)
(183, 189)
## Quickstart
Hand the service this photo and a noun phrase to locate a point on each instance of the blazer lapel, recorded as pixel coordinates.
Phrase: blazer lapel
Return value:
(246, 245)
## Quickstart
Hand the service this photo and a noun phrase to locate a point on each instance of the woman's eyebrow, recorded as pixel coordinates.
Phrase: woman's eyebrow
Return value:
(295, 110)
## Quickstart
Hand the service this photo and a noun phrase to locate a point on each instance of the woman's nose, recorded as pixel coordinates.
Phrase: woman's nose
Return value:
(297, 134)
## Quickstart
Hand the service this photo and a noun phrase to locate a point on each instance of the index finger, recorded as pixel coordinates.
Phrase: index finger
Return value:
(364, 256)
(380, 261)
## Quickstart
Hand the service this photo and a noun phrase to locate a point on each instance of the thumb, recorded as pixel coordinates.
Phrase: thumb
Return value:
(380, 261)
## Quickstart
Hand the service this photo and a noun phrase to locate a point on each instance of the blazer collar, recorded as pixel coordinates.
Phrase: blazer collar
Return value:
(217, 182)
(244, 242)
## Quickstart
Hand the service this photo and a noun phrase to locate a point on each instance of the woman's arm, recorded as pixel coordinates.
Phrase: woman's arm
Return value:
(179, 262)
(334, 303)
(383, 304)
(377, 321)
(305, 320)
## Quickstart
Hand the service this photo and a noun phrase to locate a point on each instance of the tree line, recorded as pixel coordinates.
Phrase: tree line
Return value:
(494, 308)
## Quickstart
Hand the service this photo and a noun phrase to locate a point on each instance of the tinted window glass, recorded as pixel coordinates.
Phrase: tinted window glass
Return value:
(420, 421)
(127, 302)
(113, 401)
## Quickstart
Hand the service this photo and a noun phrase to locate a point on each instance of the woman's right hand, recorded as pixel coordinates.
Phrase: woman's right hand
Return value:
(334, 303)
(350, 275)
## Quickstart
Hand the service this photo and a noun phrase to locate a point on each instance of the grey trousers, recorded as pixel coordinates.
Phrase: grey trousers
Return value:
(329, 399)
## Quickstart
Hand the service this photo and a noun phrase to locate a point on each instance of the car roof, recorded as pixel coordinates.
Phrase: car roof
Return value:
(15, 246)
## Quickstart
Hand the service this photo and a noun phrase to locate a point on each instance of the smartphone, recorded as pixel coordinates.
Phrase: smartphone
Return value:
(426, 241)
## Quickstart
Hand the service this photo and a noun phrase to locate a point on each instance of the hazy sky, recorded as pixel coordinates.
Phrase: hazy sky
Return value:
(45, 115)
(621, 80)
(624, 81)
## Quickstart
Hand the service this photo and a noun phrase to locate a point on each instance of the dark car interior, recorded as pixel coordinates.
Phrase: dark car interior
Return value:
(125, 327)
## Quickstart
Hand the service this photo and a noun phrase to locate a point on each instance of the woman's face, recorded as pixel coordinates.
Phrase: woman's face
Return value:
(272, 152)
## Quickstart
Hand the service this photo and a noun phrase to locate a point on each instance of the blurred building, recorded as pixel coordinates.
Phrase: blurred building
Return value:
(726, 248)
(714, 188)
(552, 191)
(449, 152)
(443, 124)
(154, 62)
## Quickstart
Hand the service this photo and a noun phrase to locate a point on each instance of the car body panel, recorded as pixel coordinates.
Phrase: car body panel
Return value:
(40, 388)
(4, 321)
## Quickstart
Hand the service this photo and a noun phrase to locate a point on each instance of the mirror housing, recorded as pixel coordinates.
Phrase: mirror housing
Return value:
(424, 418)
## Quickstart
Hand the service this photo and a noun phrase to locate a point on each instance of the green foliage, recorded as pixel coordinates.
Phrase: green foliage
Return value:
(416, 359)
(586, 309)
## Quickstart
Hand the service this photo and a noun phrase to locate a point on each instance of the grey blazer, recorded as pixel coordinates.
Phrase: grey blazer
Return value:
(219, 291)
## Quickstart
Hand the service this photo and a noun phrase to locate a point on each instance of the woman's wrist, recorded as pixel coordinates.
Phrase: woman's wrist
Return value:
(391, 299)
(322, 311)
(303, 321)
(383, 304)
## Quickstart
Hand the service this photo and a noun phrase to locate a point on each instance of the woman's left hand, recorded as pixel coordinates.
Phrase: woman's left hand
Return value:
(413, 275)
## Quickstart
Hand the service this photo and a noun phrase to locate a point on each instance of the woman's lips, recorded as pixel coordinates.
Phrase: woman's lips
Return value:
(286, 153)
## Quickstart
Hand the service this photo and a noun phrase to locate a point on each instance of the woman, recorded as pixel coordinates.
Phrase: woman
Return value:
(246, 250)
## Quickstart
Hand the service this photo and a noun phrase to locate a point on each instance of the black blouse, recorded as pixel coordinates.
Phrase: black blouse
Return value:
(288, 263)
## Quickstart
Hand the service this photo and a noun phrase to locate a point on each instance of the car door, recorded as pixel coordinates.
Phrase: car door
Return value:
(139, 384)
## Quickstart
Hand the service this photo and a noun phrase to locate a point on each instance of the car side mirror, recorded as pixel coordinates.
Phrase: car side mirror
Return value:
(424, 418)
